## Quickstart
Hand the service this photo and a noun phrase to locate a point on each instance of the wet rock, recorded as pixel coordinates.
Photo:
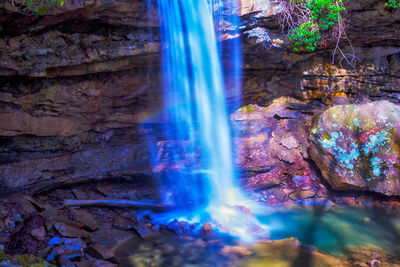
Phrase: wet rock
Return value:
(65, 249)
(302, 194)
(85, 218)
(178, 227)
(235, 251)
(290, 251)
(108, 236)
(69, 231)
(65, 260)
(100, 252)
(146, 231)
(95, 263)
(371, 256)
(356, 146)
(39, 233)
(206, 228)
(51, 220)
(124, 224)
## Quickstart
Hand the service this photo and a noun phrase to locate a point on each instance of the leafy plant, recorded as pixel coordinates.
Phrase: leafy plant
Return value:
(321, 16)
(325, 12)
(307, 35)
(311, 23)
(393, 3)
(36, 7)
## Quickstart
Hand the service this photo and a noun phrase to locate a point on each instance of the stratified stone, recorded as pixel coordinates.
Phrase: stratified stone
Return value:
(100, 252)
(85, 218)
(357, 146)
(69, 231)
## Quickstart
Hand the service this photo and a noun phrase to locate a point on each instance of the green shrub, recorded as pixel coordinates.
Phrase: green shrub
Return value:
(320, 17)
(393, 3)
(37, 7)
(325, 12)
(306, 36)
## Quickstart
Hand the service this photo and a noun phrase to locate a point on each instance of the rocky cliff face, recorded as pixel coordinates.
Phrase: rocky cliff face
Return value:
(77, 83)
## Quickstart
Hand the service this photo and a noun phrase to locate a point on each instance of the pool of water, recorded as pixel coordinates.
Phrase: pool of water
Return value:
(333, 230)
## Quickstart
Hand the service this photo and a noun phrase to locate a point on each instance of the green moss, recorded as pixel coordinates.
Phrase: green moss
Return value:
(2, 256)
(248, 109)
(24, 260)
(327, 136)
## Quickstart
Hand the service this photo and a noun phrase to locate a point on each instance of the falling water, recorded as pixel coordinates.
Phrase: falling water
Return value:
(201, 175)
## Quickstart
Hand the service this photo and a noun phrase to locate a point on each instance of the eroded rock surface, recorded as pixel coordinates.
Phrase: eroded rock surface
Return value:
(272, 152)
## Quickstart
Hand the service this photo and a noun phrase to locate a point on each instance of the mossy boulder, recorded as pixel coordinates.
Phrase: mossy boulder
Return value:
(358, 147)
(22, 260)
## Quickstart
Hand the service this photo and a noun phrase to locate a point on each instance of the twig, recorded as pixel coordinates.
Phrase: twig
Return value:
(120, 203)
(350, 58)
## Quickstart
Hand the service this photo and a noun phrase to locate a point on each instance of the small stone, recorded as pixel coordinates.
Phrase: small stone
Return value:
(236, 251)
(178, 227)
(146, 231)
(207, 228)
(65, 260)
(39, 233)
(297, 195)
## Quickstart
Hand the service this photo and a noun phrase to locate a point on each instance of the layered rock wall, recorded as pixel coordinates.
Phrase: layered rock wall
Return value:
(76, 84)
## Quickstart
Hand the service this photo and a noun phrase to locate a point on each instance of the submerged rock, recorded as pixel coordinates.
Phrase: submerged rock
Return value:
(357, 146)
(290, 252)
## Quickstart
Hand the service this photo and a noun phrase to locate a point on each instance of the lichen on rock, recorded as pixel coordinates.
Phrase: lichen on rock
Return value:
(357, 146)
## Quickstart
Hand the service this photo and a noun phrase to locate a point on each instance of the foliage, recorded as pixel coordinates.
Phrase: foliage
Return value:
(393, 3)
(36, 7)
(325, 12)
(307, 35)
(322, 15)
(312, 23)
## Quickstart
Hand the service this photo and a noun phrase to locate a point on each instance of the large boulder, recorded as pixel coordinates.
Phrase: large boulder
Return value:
(357, 146)
(271, 152)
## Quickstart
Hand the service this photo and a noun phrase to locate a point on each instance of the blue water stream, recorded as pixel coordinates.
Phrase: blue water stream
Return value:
(201, 172)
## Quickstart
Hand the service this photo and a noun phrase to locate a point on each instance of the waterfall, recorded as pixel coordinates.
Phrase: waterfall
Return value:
(201, 174)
